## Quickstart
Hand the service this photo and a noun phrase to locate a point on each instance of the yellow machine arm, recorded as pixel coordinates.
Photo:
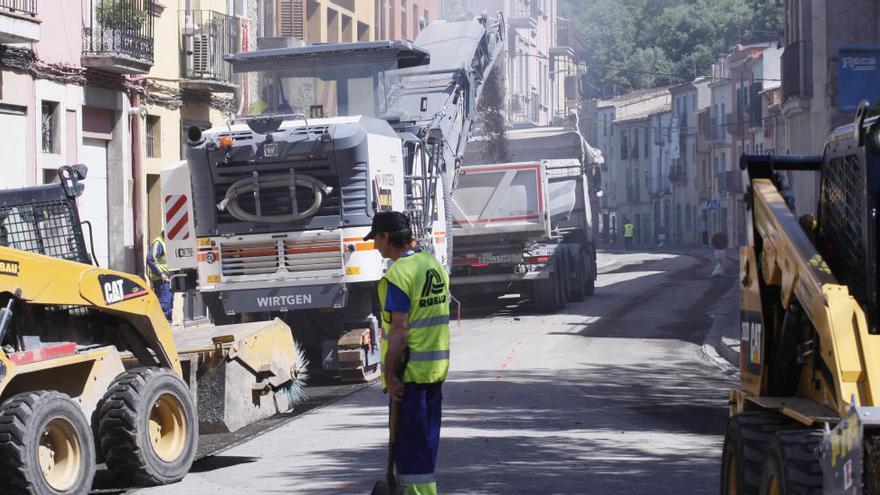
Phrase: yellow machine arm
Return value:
(842, 363)
(44, 280)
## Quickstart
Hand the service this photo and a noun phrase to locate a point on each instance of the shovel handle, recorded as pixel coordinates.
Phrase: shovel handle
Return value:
(392, 436)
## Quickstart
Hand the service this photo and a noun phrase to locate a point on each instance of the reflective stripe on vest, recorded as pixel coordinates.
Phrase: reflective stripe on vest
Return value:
(428, 355)
(429, 322)
(426, 283)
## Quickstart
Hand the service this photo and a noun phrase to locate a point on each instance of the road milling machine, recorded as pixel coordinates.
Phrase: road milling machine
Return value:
(90, 368)
(805, 418)
(266, 217)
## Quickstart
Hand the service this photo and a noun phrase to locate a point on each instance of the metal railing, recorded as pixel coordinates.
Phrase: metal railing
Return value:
(120, 27)
(206, 37)
(28, 7)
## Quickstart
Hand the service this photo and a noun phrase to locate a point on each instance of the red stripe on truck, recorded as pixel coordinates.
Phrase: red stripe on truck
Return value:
(169, 214)
(179, 226)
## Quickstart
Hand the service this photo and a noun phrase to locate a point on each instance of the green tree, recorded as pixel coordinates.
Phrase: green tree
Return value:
(491, 112)
(633, 44)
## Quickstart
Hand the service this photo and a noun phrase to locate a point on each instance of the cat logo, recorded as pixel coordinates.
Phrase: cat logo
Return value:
(113, 292)
(116, 289)
(9, 268)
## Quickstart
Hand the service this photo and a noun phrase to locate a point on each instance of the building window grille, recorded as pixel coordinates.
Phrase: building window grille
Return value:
(154, 137)
(49, 127)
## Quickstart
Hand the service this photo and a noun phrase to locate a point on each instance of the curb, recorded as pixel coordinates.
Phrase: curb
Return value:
(721, 344)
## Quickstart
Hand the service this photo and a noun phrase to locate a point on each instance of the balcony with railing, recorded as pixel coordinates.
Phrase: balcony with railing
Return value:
(206, 36)
(118, 36)
(525, 109)
(19, 22)
(524, 15)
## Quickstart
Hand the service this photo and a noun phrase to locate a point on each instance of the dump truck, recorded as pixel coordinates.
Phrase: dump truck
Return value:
(90, 368)
(526, 226)
(805, 417)
(266, 217)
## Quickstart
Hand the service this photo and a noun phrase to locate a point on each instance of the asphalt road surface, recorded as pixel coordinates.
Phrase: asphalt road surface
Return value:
(612, 395)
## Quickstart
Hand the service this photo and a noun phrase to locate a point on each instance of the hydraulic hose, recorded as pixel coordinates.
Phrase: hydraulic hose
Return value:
(243, 186)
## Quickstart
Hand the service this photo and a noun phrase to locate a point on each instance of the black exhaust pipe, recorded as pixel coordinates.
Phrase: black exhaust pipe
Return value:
(194, 136)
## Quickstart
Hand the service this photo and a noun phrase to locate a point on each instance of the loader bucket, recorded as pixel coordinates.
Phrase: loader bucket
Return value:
(242, 373)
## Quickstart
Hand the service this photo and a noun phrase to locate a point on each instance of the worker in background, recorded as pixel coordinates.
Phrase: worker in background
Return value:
(414, 297)
(159, 274)
(628, 231)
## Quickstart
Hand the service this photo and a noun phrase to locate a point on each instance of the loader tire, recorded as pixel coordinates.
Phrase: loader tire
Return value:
(744, 448)
(46, 446)
(148, 427)
(791, 464)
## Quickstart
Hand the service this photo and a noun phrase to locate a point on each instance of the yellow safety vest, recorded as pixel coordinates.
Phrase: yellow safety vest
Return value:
(158, 260)
(628, 229)
(425, 282)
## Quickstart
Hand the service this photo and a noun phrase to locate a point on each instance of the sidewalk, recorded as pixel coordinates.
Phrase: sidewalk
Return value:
(723, 337)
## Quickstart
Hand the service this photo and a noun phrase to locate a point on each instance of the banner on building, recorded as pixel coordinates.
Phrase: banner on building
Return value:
(859, 76)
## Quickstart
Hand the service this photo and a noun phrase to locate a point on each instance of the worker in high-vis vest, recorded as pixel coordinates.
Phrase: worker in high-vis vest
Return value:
(414, 298)
(159, 274)
(628, 231)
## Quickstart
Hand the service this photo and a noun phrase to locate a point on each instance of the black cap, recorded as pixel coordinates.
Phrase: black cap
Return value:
(387, 222)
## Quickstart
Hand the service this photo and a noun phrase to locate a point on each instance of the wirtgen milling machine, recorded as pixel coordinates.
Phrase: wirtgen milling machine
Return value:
(267, 215)
(89, 366)
(806, 418)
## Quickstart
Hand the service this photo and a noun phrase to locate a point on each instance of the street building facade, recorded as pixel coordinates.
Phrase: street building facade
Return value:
(633, 133)
(687, 100)
(685, 184)
(831, 55)
(399, 19)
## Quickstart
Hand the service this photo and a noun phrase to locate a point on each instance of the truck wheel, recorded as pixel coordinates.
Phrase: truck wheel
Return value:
(148, 427)
(548, 293)
(589, 286)
(792, 464)
(743, 452)
(579, 286)
(46, 446)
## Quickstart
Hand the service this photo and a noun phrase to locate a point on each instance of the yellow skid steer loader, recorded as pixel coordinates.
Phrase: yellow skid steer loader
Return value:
(806, 416)
(90, 368)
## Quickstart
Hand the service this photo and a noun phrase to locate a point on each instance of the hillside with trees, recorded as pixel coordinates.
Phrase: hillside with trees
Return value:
(636, 44)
